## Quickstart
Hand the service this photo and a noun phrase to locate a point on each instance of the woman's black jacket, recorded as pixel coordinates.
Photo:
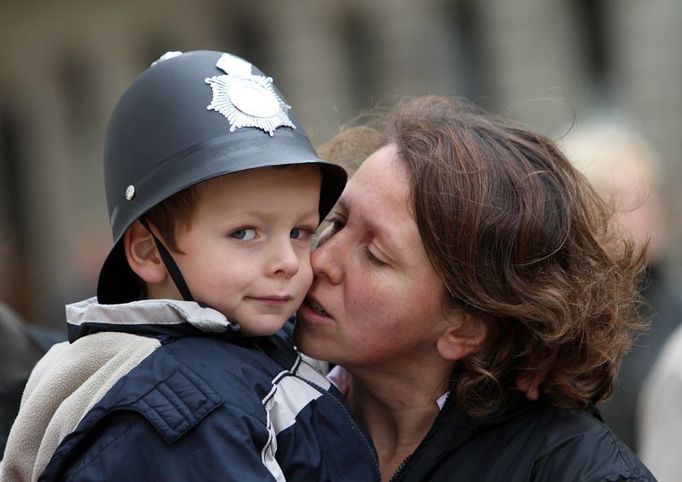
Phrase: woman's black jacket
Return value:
(530, 441)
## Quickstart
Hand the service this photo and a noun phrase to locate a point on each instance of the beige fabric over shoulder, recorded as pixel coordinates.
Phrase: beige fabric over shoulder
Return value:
(65, 384)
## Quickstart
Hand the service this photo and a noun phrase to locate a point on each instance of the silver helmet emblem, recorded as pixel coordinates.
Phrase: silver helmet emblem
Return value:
(245, 99)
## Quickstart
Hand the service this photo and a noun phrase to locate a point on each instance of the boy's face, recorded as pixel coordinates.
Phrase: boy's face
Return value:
(246, 251)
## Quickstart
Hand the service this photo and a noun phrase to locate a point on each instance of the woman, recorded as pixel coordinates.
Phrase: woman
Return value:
(464, 255)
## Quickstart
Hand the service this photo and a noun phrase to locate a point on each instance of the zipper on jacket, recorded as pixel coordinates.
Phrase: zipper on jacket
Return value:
(402, 465)
(424, 442)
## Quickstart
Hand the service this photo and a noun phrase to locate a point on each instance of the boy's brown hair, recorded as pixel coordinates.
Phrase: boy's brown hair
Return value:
(172, 214)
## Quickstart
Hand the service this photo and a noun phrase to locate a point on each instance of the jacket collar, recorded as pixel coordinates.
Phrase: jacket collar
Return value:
(452, 429)
(146, 317)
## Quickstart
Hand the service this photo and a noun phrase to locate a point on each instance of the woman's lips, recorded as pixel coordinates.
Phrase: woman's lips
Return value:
(315, 306)
(312, 310)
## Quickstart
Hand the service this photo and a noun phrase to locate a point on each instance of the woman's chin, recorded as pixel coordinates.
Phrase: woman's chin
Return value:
(309, 334)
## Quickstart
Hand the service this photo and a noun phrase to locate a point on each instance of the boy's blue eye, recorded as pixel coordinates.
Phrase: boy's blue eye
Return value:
(299, 233)
(245, 234)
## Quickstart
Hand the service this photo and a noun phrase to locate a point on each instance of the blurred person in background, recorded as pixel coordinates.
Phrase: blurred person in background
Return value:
(626, 171)
(21, 346)
(660, 412)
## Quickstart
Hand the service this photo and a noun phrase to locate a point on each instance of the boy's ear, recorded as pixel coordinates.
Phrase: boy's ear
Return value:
(143, 255)
(463, 338)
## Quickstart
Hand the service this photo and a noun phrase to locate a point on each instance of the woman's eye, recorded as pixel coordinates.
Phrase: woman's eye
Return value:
(246, 234)
(374, 259)
(335, 225)
(332, 228)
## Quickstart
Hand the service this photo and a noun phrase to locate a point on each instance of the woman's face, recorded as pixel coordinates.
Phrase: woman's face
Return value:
(375, 298)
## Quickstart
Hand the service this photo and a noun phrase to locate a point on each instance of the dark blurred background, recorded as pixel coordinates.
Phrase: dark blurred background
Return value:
(549, 63)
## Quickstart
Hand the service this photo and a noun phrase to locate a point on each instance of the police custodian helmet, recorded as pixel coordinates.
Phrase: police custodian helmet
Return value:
(188, 118)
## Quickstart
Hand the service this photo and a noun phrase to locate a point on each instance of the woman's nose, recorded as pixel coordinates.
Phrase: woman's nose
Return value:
(326, 259)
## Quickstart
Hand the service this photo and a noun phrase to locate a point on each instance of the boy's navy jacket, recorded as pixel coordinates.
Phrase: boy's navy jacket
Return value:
(169, 391)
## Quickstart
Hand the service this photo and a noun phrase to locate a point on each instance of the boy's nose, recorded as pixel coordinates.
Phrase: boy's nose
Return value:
(284, 259)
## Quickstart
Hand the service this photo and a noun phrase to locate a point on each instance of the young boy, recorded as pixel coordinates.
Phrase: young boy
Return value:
(179, 370)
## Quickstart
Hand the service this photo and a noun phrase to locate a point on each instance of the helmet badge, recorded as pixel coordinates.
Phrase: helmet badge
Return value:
(245, 99)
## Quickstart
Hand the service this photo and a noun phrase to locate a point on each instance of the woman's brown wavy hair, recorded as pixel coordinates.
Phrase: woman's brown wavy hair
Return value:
(521, 241)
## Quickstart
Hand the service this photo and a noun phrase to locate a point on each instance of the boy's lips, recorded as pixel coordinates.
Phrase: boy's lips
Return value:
(272, 299)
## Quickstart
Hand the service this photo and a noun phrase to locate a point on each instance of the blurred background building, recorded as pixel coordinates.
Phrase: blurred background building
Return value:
(550, 63)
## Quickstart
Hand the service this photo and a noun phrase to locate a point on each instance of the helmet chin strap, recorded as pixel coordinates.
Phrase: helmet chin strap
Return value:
(171, 266)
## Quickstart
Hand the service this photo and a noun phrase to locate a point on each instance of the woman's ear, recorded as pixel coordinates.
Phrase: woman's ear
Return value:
(143, 255)
(462, 339)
